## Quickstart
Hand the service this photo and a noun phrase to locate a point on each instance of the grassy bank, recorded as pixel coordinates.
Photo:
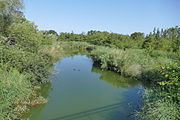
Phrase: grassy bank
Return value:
(135, 63)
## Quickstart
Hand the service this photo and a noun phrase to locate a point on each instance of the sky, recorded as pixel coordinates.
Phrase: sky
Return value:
(119, 16)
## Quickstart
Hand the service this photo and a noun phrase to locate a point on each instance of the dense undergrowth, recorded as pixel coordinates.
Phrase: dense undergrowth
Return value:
(23, 65)
(14, 86)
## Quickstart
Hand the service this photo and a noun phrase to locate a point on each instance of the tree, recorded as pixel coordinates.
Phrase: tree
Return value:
(9, 10)
(149, 43)
(138, 38)
(51, 32)
(25, 35)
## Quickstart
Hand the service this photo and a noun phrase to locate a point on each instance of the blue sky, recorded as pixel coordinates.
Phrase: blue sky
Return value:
(120, 16)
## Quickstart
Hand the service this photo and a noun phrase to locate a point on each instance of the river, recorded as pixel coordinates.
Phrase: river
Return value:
(79, 91)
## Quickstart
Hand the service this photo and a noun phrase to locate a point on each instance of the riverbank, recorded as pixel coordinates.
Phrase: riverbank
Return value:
(150, 69)
(23, 67)
(133, 63)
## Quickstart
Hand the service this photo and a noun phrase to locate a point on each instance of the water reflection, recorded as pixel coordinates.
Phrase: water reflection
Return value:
(36, 110)
(115, 79)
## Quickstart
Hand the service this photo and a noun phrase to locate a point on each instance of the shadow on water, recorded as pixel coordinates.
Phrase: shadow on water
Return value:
(90, 112)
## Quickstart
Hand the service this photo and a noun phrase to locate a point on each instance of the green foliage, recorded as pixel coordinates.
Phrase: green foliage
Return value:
(131, 62)
(105, 39)
(161, 102)
(9, 11)
(157, 108)
(51, 32)
(14, 86)
(22, 64)
(25, 62)
(169, 80)
(25, 35)
(168, 40)
(138, 38)
(149, 43)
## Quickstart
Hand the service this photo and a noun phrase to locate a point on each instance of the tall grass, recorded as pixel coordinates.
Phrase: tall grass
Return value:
(156, 107)
(14, 86)
(131, 62)
(20, 72)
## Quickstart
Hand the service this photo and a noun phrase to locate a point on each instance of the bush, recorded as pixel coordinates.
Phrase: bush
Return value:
(23, 35)
(156, 107)
(36, 65)
(131, 62)
(169, 80)
(26, 36)
(14, 86)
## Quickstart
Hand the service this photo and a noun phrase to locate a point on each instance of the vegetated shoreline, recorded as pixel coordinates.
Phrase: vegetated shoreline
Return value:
(154, 72)
(107, 59)
(27, 55)
(127, 63)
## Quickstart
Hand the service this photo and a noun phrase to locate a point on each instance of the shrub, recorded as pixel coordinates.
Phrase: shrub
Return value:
(157, 108)
(169, 80)
(36, 65)
(26, 36)
(13, 86)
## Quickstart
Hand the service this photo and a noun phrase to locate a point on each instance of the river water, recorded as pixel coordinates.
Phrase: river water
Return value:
(79, 91)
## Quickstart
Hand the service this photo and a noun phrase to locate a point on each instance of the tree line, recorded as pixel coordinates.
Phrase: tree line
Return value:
(168, 39)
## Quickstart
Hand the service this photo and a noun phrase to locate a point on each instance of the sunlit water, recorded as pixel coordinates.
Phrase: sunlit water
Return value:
(80, 92)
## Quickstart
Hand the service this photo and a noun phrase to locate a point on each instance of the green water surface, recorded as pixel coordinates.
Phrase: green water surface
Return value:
(79, 91)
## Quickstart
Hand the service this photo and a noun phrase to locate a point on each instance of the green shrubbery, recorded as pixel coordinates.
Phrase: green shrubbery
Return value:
(132, 62)
(22, 64)
(26, 62)
(26, 36)
(166, 40)
(156, 107)
(161, 102)
(169, 80)
(105, 39)
(14, 86)
(25, 66)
